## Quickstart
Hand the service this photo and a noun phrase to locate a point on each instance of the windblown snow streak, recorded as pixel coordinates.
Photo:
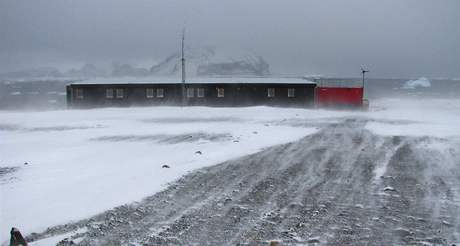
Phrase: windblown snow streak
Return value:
(168, 139)
(340, 186)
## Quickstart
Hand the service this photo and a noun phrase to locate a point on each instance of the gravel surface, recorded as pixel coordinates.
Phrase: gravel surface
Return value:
(169, 138)
(7, 170)
(340, 186)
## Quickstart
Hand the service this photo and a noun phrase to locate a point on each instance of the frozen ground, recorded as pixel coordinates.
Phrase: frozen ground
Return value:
(390, 175)
(82, 162)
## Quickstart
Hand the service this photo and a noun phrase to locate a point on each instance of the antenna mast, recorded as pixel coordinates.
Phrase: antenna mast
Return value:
(183, 67)
(183, 57)
(363, 71)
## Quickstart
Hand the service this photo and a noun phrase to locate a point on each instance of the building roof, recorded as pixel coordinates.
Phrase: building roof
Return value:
(338, 82)
(198, 80)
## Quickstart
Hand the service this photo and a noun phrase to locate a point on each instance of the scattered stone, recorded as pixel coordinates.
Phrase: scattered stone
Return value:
(421, 220)
(254, 132)
(165, 166)
(300, 225)
(66, 242)
(446, 223)
(389, 188)
(274, 243)
(26, 163)
(387, 177)
(402, 232)
(313, 240)
(198, 152)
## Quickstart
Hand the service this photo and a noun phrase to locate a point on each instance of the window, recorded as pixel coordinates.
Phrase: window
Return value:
(271, 92)
(149, 93)
(291, 92)
(108, 93)
(119, 93)
(160, 92)
(79, 93)
(200, 92)
(190, 92)
(220, 92)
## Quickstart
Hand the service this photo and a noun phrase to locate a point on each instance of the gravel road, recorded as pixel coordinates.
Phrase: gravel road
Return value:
(340, 186)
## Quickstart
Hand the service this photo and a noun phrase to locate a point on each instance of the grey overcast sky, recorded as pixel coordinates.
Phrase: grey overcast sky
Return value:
(393, 38)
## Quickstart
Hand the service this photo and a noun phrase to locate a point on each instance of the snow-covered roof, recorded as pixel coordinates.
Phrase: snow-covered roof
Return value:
(198, 80)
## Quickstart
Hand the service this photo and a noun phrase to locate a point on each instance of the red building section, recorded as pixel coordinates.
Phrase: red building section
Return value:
(339, 97)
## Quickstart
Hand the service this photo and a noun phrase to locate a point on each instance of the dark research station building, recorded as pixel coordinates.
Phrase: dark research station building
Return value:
(226, 92)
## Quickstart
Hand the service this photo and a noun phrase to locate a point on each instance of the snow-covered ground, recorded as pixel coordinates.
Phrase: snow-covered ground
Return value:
(83, 162)
(423, 117)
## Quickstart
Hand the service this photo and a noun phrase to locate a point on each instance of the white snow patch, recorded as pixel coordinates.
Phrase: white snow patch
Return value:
(71, 177)
(50, 240)
(404, 117)
(56, 239)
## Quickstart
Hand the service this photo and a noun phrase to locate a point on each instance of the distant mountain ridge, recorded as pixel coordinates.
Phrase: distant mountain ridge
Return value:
(206, 62)
(199, 62)
(34, 73)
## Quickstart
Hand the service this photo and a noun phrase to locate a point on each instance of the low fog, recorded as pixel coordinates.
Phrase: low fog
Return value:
(393, 38)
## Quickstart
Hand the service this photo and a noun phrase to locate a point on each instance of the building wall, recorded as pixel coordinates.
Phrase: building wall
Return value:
(339, 97)
(94, 95)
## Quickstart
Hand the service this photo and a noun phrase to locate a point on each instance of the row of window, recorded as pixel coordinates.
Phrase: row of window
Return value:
(221, 92)
(160, 93)
(200, 92)
(271, 92)
(150, 93)
(109, 93)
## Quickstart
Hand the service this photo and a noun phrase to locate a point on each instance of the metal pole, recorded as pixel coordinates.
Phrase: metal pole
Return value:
(364, 72)
(183, 68)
